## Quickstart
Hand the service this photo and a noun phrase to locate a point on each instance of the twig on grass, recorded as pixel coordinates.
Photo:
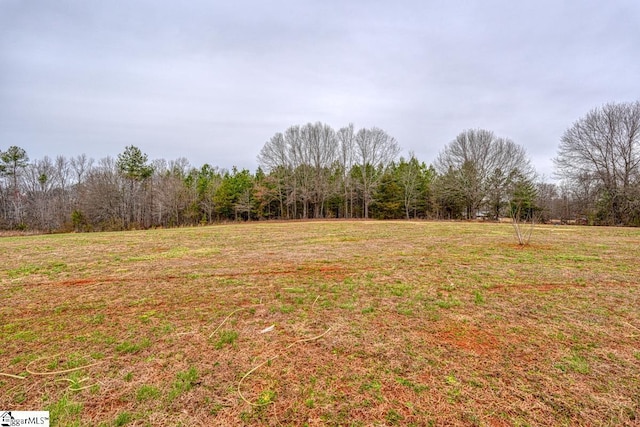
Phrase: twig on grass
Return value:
(85, 387)
(75, 382)
(18, 377)
(249, 373)
(308, 339)
(4, 374)
(225, 319)
(255, 368)
(314, 302)
(57, 372)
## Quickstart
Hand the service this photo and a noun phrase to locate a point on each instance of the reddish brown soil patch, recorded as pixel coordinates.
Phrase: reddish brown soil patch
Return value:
(77, 282)
(470, 338)
(497, 422)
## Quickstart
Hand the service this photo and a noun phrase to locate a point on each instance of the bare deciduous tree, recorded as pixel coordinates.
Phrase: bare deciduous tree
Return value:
(275, 158)
(100, 196)
(81, 165)
(486, 163)
(303, 158)
(319, 145)
(605, 145)
(548, 200)
(346, 140)
(41, 181)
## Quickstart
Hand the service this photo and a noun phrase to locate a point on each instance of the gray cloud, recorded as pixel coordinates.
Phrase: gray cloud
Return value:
(212, 81)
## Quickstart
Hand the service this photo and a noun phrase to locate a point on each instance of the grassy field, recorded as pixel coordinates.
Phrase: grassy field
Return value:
(323, 323)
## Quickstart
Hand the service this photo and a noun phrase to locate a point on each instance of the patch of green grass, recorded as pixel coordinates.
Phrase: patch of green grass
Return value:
(393, 417)
(18, 359)
(447, 303)
(26, 336)
(266, 397)
(64, 411)
(138, 302)
(473, 419)
(348, 305)
(216, 408)
(146, 317)
(576, 363)
(285, 309)
(75, 360)
(167, 328)
(452, 380)
(418, 388)
(405, 309)
(61, 308)
(147, 392)
(373, 385)
(576, 258)
(23, 271)
(76, 383)
(98, 337)
(172, 253)
(478, 298)
(56, 268)
(183, 383)
(454, 391)
(10, 328)
(399, 289)
(19, 397)
(53, 364)
(52, 268)
(127, 347)
(96, 319)
(226, 338)
(122, 419)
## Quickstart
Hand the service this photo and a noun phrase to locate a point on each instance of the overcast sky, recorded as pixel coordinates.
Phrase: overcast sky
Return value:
(212, 81)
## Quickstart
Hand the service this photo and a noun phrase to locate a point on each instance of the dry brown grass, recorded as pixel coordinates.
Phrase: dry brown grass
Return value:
(430, 324)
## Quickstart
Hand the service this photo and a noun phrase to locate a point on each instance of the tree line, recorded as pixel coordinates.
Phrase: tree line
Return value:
(314, 171)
